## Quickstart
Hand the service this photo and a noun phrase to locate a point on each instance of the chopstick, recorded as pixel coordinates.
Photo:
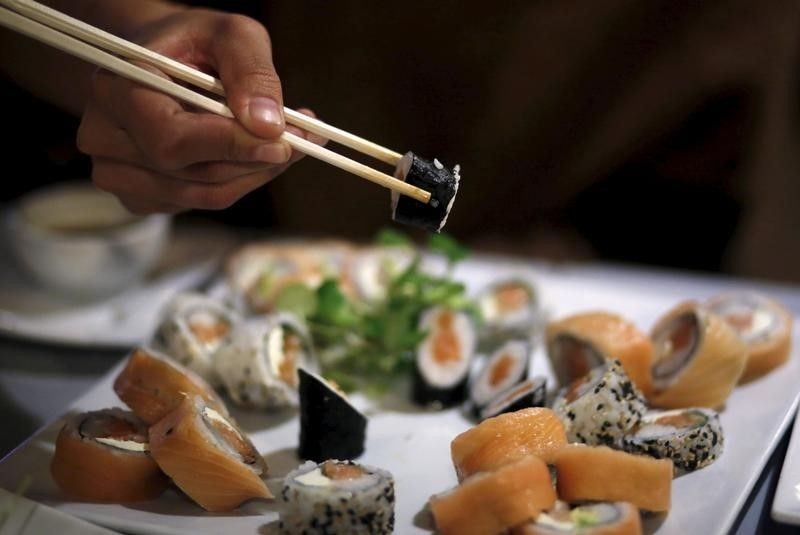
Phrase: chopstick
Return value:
(41, 30)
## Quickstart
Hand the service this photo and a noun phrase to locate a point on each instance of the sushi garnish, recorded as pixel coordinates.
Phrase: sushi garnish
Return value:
(102, 456)
(698, 359)
(692, 438)
(444, 357)
(432, 177)
(529, 393)
(337, 497)
(330, 426)
(506, 367)
(601, 407)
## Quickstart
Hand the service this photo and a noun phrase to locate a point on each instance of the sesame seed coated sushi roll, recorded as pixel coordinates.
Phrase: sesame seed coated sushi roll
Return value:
(193, 328)
(598, 473)
(698, 359)
(507, 366)
(208, 456)
(102, 456)
(337, 497)
(259, 366)
(578, 343)
(601, 407)
(763, 324)
(443, 358)
(429, 176)
(604, 518)
(495, 501)
(504, 439)
(528, 393)
(330, 426)
(692, 438)
(153, 385)
(509, 309)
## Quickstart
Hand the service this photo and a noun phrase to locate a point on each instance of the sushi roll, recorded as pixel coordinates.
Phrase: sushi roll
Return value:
(429, 176)
(509, 309)
(692, 438)
(330, 426)
(604, 518)
(373, 269)
(494, 502)
(763, 324)
(601, 407)
(152, 385)
(506, 367)
(208, 457)
(259, 366)
(102, 456)
(698, 359)
(337, 497)
(578, 343)
(193, 328)
(443, 358)
(528, 393)
(506, 438)
(598, 473)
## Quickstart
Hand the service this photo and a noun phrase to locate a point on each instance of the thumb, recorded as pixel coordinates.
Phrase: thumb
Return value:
(242, 55)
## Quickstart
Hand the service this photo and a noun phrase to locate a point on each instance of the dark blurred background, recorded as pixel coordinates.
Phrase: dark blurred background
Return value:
(661, 132)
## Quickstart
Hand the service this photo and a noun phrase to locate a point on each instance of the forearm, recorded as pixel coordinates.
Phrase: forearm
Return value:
(62, 79)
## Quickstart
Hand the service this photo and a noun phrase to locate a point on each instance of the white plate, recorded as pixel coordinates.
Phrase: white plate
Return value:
(415, 446)
(31, 312)
(786, 504)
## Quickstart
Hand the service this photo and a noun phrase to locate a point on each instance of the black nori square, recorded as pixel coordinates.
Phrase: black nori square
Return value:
(330, 427)
(530, 393)
(436, 179)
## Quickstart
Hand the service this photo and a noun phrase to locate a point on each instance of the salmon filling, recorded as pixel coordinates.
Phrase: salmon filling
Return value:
(446, 347)
(501, 370)
(229, 435)
(511, 298)
(207, 332)
(684, 419)
(676, 345)
(107, 426)
(341, 471)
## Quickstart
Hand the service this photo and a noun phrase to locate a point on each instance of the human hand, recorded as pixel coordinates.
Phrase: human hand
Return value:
(158, 155)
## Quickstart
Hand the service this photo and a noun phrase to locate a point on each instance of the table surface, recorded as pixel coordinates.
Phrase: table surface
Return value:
(37, 381)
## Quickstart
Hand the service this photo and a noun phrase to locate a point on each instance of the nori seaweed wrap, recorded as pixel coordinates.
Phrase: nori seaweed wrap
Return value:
(429, 176)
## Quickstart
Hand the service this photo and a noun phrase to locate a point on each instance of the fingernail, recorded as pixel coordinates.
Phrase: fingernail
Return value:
(265, 110)
(272, 153)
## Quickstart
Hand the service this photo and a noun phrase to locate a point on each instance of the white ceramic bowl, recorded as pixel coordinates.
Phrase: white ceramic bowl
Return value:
(80, 241)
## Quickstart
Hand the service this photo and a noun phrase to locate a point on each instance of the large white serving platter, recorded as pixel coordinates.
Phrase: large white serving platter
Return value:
(415, 445)
(786, 503)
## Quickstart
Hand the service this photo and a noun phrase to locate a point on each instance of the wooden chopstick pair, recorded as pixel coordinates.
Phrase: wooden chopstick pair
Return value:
(113, 53)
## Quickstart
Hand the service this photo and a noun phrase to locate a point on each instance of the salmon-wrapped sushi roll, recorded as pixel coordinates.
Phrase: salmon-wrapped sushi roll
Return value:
(578, 343)
(698, 359)
(504, 439)
(763, 324)
(103, 456)
(496, 501)
(153, 385)
(598, 473)
(208, 456)
(603, 518)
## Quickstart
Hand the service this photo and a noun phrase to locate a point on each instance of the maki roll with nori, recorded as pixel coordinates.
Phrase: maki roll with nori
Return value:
(429, 176)
(509, 309)
(330, 426)
(443, 358)
(601, 407)
(337, 497)
(507, 366)
(259, 366)
(529, 393)
(692, 438)
(194, 327)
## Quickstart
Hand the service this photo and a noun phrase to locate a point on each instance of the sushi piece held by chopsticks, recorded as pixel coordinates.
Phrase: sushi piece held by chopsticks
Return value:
(434, 177)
